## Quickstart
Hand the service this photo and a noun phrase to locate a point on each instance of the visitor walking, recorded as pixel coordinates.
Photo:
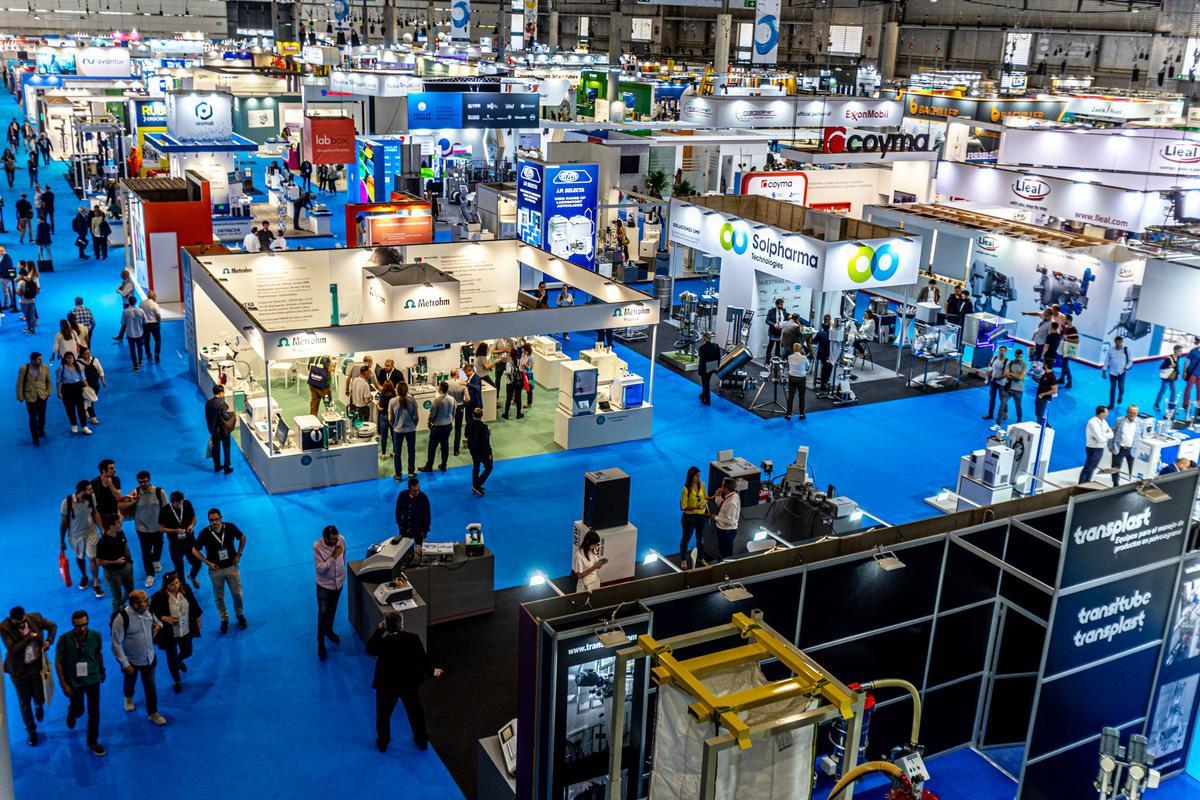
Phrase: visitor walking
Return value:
(215, 546)
(329, 556)
(78, 528)
(72, 380)
(177, 521)
(1126, 435)
(134, 629)
(1168, 374)
(1117, 362)
(26, 637)
(148, 503)
(112, 553)
(79, 664)
(152, 326)
(33, 389)
(178, 614)
(219, 421)
(401, 666)
(479, 445)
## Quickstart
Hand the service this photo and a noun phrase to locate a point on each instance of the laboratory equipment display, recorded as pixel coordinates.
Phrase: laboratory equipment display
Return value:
(577, 388)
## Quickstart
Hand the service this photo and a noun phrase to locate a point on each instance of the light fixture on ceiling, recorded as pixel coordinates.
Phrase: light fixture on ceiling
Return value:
(653, 555)
(734, 592)
(1152, 493)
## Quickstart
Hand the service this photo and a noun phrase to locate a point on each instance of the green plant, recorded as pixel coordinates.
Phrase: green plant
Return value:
(683, 189)
(656, 181)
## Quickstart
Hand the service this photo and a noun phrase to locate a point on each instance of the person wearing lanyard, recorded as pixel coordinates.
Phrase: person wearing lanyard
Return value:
(329, 554)
(176, 608)
(112, 553)
(1126, 434)
(71, 380)
(586, 562)
(177, 520)
(729, 509)
(133, 631)
(1098, 439)
(441, 423)
(79, 664)
(24, 646)
(798, 368)
(215, 547)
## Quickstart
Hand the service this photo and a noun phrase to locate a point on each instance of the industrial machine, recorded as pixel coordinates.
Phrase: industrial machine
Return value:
(936, 340)
(738, 337)
(776, 376)
(731, 370)
(577, 388)
(1128, 325)
(1067, 291)
(396, 590)
(607, 365)
(335, 426)
(991, 289)
(256, 410)
(747, 477)
(985, 477)
(689, 332)
(543, 345)
(386, 560)
(474, 540)
(627, 391)
(984, 333)
(310, 431)
(1133, 763)
(927, 313)
(1031, 445)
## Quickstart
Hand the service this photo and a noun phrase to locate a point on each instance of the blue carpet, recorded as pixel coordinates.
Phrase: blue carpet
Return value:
(253, 694)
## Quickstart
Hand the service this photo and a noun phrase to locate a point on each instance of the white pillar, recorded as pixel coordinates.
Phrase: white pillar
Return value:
(888, 51)
(616, 29)
(553, 38)
(721, 58)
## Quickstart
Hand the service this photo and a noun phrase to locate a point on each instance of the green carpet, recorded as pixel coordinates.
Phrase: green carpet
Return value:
(511, 438)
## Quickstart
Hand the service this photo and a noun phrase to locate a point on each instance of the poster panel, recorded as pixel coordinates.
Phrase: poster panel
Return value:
(766, 32)
(460, 22)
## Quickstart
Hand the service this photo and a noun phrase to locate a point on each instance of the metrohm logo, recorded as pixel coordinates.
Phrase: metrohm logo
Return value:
(426, 302)
(302, 340)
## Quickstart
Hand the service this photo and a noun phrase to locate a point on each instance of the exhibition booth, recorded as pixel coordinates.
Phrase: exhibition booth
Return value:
(1021, 631)
(1012, 268)
(256, 323)
(164, 215)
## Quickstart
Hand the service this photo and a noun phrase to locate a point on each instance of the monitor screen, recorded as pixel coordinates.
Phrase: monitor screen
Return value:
(281, 431)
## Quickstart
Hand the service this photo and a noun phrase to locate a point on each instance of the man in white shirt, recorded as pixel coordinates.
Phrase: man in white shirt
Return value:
(729, 511)
(997, 382)
(250, 241)
(1116, 363)
(1099, 434)
(361, 395)
(798, 368)
(151, 327)
(1125, 439)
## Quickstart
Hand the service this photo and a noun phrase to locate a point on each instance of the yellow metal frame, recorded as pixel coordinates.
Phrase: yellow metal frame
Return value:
(807, 680)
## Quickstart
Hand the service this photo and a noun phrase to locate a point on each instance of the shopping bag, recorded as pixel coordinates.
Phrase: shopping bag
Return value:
(64, 568)
(47, 680)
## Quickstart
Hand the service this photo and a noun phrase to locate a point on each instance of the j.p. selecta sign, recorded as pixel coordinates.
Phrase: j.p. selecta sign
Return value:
(838, 140)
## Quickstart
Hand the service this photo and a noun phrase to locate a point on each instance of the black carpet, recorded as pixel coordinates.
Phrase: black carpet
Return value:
(873, 391)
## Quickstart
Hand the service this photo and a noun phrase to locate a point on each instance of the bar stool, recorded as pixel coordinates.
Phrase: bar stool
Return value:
(866, 354)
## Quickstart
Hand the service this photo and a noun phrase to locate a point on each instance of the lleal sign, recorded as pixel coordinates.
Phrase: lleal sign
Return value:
(1181, 152)
(1033, 189)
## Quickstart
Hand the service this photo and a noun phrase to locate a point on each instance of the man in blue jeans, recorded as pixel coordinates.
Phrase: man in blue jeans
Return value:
(1117, 362)
(996, 380)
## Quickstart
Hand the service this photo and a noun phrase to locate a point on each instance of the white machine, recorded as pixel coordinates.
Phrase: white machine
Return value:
(577, 386)
(627, 391)
(508, 746)
(985, 477)
(607, 365)
(256, 409)
(311, 432)
(386, 556)
(1029, 462)
(927, 313)
(544, 345)
(397, 590)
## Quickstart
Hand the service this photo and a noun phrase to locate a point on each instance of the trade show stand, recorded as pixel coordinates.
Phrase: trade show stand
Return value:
(366, 612)
(259, 323)
(494, 781)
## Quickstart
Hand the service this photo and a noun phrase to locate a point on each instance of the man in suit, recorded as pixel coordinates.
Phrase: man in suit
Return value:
(401, 666)
(930, 293)
(479, 445)
(824, 351)
(709, 355)
(26, 637)
(216, 415)
(775, 319)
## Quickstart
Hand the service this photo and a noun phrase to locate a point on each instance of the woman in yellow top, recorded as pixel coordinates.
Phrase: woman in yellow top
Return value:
(693, 502)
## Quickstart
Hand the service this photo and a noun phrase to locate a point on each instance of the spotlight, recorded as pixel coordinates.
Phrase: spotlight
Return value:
(539, 579)
(887, 560)
(734, 592)
(653, 555)
(1152, 492)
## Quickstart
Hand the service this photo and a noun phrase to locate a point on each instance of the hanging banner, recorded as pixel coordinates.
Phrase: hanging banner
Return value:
(460, 22)
(556, 209)
(203, 116)
(341, 14)
(766, 32)
(531, 23)
(329, 140)
(1173, 715)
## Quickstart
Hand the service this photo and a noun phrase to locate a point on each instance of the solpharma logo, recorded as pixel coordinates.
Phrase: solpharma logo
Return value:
(734, 239)
(766, 35)
(869, 263)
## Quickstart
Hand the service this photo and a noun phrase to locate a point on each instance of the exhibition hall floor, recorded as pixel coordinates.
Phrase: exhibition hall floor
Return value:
(258, 702)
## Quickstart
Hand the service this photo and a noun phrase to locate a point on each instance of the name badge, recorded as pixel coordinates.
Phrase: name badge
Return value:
(81, 669)
(181, 535)
(222, 555)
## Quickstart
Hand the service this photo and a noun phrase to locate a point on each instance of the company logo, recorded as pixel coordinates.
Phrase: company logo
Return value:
(989, 243)
(600, 420)
(421, 105)
(302, 340)
(631, 312)
(236, 271)
(572, 176)
(855, 115)
(1031, 188)
(460, 15)
(766, 35)
(203, 111)
(756, 114)
(530, 173)
(836, 140)
(325, 139)
(912, 105)
(734, 239)
(375, 292)
(1181, 153)
(1126, 523)
(305, 460)
(869, 263)
(426, 302)
(1125, 272)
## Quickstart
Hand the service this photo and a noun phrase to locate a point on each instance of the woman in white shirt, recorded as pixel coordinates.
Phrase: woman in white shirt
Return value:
(586, 563)
(729, 512)
(65, 341)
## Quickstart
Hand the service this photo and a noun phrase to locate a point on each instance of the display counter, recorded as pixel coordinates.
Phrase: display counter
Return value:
(546, 368)
(603, 427)
(365, 612)
(319, 222)
(292, 469)
(461, 586)
(494, 782)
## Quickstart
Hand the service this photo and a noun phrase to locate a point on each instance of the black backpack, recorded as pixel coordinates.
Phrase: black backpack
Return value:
(31, 289)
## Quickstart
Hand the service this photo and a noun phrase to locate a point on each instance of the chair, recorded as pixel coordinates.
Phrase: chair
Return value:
(866, 354)
(288, 368)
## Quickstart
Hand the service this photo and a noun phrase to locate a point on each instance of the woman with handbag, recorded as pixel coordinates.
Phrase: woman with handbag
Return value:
(93, 372)
(176, 608)
(526, 364)
(65, 341)
(71, 382)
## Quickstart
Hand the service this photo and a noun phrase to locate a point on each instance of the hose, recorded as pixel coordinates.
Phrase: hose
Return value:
(864, 769)
(896, 683)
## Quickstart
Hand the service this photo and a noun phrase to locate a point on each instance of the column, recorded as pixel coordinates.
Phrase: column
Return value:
(616, 30)
(721, 56)
(887, 53)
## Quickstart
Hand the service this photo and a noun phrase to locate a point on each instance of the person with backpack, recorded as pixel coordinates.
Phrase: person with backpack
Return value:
(148, 503)
(997, 383)
(83, 228)
(71, 381)
(93, 372)
(27, 292)
(403, 418)
(33, 389)
(78, 527)
(101, 230)
(1168, 374)
(134, 629)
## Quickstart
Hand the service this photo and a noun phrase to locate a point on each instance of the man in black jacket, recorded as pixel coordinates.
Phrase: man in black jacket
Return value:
(401, 666)
(479, 445)
(24, 645)
(413, 515)
(24, 218)
(709, 356)
(82, 225)
(216, 415)
(48, 206)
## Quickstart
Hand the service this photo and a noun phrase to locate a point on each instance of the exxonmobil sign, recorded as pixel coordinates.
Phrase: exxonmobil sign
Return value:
(791, 187)
(329, 140)
(840, 140)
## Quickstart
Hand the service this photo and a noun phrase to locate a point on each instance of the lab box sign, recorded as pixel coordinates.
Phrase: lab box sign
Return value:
(329, 140)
